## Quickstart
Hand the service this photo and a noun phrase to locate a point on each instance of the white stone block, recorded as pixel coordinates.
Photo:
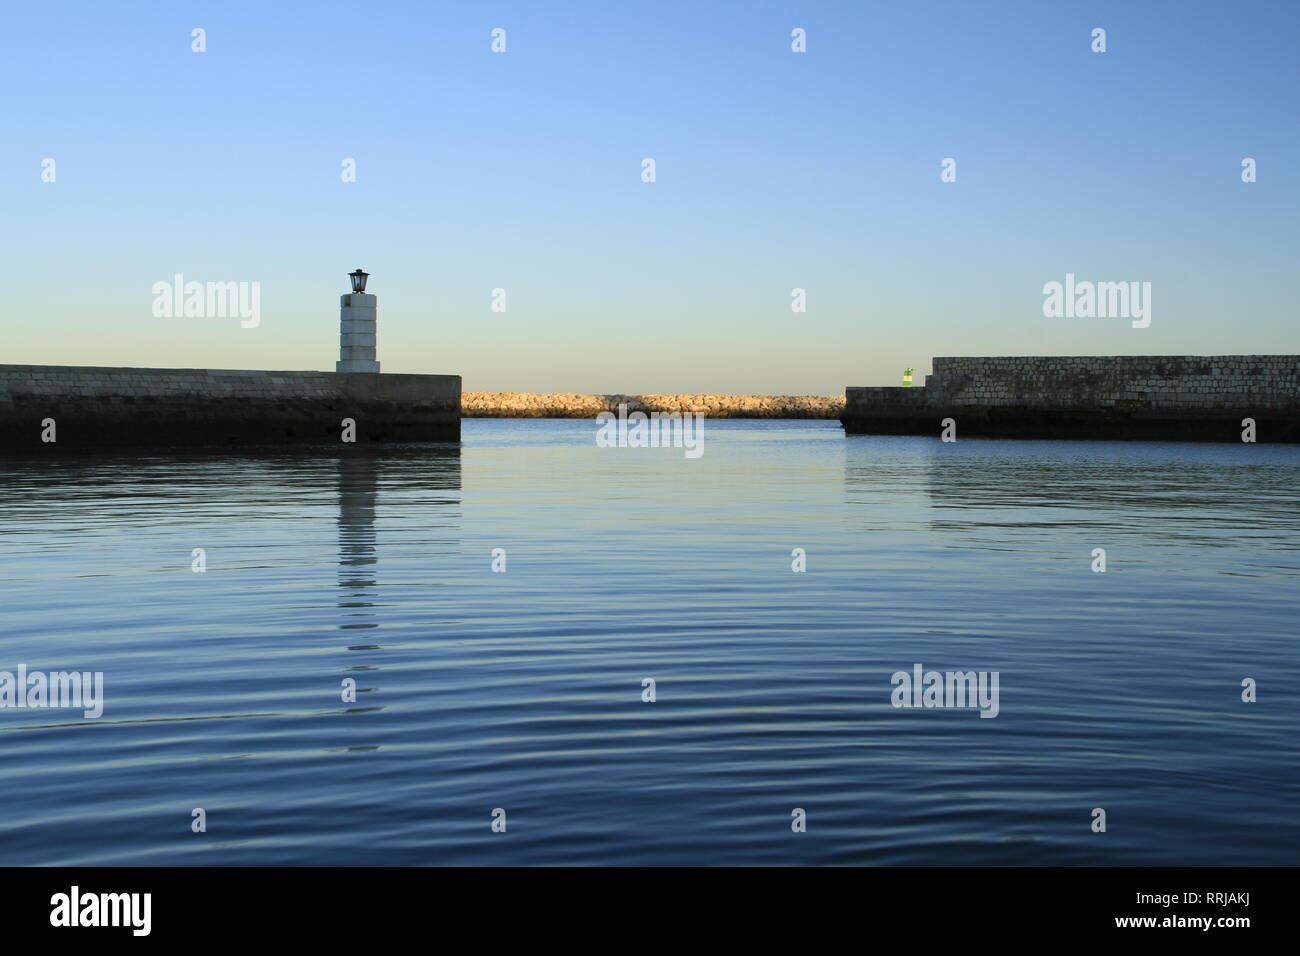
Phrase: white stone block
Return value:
(356, 366)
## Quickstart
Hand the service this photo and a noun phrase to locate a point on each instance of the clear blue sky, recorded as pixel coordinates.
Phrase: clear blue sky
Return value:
(775, 170)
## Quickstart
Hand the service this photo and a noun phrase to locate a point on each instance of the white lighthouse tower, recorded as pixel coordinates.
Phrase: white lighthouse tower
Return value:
(357, 328)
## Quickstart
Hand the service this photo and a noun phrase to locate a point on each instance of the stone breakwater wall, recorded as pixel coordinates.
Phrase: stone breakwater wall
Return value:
(1176, 398)
(149, 406)
(566, 405)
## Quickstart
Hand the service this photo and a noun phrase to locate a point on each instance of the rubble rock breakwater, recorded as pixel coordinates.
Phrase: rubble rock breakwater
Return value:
(568, 405)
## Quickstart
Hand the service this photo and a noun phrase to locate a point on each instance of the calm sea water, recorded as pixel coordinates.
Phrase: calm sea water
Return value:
(522, 690)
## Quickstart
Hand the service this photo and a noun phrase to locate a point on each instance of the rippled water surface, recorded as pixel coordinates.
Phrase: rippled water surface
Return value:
(522, 690)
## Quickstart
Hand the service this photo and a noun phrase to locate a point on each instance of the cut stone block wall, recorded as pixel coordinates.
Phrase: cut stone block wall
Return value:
(1136, 381)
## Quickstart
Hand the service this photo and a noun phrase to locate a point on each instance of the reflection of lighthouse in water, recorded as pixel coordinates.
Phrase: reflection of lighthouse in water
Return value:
(421, 485)
(358, 489)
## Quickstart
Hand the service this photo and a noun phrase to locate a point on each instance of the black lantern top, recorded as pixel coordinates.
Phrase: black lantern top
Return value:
(358, 280)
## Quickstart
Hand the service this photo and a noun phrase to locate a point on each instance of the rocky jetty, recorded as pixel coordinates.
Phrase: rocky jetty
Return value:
(567, 405)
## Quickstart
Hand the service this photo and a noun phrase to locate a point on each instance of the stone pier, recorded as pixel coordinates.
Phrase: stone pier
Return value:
(1150, 397)
(194, 406)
